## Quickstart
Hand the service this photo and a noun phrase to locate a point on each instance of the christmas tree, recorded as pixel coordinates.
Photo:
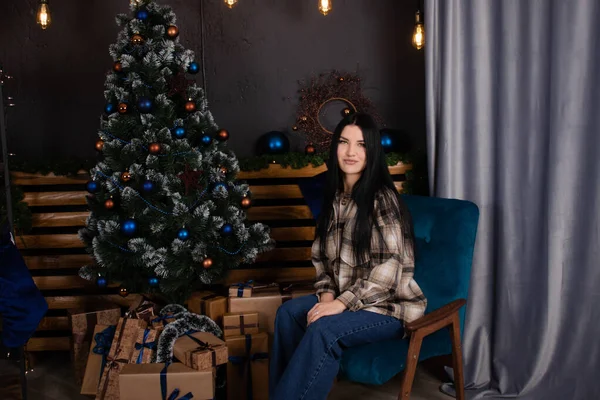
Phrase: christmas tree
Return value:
(167, 215)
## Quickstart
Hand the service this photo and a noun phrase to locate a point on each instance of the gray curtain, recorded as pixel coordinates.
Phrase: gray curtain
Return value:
(513, 124)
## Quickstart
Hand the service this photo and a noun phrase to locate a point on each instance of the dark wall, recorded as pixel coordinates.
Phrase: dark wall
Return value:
(254, 56)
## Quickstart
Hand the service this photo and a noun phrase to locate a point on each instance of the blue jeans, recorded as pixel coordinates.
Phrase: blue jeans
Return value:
(305, 361)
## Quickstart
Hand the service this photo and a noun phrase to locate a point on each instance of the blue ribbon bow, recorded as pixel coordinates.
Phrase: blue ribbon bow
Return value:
(175, 392)
(103, 341)
(241, 286)
(144, 344)
(163, 318)
(246, 360)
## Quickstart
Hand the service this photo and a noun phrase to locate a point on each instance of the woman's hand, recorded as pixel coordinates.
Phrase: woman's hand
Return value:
(326, 297)
(324, 309)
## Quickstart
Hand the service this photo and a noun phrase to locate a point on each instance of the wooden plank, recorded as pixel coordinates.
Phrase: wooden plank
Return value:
(66, 302)
(54, 324)
(271, 275)
(49, 344)
(62, 241)
(292, 234)
(276, 192)
(400, 168)
(286, 254)
(279, 213)
(26, 178)
(61, 282)
(77, 218)
(277, 171)
(35, 199)
(57, 261)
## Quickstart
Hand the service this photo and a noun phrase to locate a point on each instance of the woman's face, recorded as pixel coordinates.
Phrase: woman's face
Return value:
(351, 152)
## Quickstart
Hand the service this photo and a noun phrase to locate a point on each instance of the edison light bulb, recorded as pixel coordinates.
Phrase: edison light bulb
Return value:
(231, 3)
(418, 39)
(43, 15)
(325, 6)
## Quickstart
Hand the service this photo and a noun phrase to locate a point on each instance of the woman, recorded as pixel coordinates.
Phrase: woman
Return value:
(363, 254)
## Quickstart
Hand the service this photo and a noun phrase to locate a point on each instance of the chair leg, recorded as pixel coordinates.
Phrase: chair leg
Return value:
(459, 384)
(412, 359)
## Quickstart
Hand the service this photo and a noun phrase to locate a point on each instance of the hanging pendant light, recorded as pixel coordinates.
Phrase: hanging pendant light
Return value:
(418, 39)
(325, 6)
(43, 14)
(231, 3)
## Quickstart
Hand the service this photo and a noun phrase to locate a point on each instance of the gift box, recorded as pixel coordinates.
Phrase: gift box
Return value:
(264, 301)
(162, 381)
(200, 350)
(82, 322)
(101, 343)
(160, 321)
(240, 324)
(248, 367)
(121, 349)
(245, 289)
(143, 308)
(294, 290)
(144, 351)
(212, 305)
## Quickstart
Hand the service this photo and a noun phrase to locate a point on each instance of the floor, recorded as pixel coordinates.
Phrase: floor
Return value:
(51, 379)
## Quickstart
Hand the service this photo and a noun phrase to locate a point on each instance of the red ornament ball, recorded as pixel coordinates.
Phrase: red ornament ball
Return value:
(100, 145)
(246, 202)
(125, 176)
(207, 263)
(109, 204)
(310, 150)
(122, 108)
(154, 148)
(190, 106)
(117, 66)
(172, 31)
(223, 135)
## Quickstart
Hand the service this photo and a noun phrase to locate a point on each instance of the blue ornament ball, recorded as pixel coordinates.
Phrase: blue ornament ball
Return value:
(220, 184)
(142, 15)
(273, 143)
(183, 234)
(92, 186)
(109, 108)
(227, 230)
(193, 67)
(128, 227)
(153, 282)
(148, 186)
(206, 139)
(101, 282)
(145, 105)
(387, 142)
(180, 132)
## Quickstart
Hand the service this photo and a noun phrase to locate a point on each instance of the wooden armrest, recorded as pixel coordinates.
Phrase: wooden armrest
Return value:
(437, 318)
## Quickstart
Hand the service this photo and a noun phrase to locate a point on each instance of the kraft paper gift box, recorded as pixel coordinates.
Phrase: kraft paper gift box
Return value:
(143, 308)
(200, 350)
(299, 289)
(248, 367)
(208, 303)
(120, 353)
(144, 351)
(265, 302)
(245, 289)
(160, 321)
(159, 382)
(240, 324)
(101, 343)
(82, 322)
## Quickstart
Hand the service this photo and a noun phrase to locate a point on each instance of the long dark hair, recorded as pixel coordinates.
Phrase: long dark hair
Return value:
(374, 183)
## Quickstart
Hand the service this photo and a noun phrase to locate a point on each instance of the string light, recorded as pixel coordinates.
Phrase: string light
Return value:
(325, 6)
(231, 3)
(418, 39)
(43, 14)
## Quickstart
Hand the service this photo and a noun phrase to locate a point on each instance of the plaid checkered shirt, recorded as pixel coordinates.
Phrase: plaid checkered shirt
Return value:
(384, 283)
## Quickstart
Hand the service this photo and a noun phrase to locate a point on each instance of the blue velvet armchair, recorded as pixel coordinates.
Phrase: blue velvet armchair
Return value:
(445, 231)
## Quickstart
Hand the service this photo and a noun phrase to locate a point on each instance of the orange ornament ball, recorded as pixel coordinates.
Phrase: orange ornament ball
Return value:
(223, 135)
(207, 263)
(125, 176)
(246, 202)
(137, 39)
(190, 106)
(109, 204)
(117, 66)
(100, 145)
(122, 108)
(154, 148)
(310, 150)
(172, 31)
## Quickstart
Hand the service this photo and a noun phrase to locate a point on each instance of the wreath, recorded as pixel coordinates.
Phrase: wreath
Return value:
(322, 90)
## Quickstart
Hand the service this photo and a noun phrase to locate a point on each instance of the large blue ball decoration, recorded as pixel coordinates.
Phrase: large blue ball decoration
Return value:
(183, 234)
(142, 15)
(180, 132)
(92, 186)
(193, 68)
(227, 230)
(273, 143)
(387, 142)
(206, 140)
(109, 108)
(145, 105)
(153, 282)
(395, 140)
(148, 186)
(220, 184)
(128, 227)
(101, 282)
